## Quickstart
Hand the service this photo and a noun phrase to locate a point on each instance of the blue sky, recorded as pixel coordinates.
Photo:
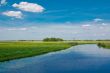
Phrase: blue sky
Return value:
(68, 19)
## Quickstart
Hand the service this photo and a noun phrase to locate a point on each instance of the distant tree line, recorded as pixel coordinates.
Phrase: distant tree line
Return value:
(53, 39)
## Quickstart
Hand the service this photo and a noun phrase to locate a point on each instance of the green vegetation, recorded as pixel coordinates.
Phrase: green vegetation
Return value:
(89, 41)
(14, 50)
(104, 45)
(100, 43)
(52, 39)
(19, 49)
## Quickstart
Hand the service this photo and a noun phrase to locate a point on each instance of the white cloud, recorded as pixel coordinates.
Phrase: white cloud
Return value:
(14, 29)
(30, 7)
(86, 25)
(98, 20)
(3, 2)
(104, 24)
(62, 31)
(16, 14)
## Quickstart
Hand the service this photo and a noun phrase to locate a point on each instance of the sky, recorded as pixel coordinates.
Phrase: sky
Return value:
(67, 19)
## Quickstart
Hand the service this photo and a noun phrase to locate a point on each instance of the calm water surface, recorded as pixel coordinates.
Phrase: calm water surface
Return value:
(78, 59)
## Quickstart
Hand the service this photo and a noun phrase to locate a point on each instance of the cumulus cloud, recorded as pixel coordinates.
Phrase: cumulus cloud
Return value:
(30, 7)
(3, 2)
(16, 14)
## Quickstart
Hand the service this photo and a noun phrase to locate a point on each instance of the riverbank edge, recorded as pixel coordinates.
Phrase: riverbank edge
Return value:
(38, 54)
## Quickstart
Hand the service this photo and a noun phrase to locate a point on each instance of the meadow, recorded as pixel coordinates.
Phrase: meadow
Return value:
(10, 50)
(15, 50)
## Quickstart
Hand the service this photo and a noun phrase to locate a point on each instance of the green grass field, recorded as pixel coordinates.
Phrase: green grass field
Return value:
(10, 50)
(14, 50)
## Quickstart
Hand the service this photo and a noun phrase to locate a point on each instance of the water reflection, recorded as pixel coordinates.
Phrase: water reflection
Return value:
(78, 59)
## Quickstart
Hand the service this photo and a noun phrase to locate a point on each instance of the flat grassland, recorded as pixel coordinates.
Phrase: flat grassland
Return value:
(15, 50)
(10, 50)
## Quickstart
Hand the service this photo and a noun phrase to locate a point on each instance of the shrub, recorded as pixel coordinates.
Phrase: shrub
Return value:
(52, 39)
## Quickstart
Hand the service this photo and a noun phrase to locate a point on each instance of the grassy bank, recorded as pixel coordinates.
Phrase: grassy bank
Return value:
(15, 50)
(19, 49)
(100, 43)
(104, 45)
(89, 41)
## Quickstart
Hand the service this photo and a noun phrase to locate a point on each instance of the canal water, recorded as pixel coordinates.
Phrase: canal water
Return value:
(79, 59)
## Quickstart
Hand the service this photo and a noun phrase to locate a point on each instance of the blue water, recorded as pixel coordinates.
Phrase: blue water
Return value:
(78, 59)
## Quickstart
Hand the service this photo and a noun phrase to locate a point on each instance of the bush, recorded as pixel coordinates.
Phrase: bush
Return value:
(52, 39)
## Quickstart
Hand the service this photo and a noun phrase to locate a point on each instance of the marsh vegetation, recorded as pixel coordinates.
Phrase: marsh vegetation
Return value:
(104, 45)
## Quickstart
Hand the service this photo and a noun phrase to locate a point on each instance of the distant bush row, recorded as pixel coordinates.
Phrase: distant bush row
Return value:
(53, 39)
